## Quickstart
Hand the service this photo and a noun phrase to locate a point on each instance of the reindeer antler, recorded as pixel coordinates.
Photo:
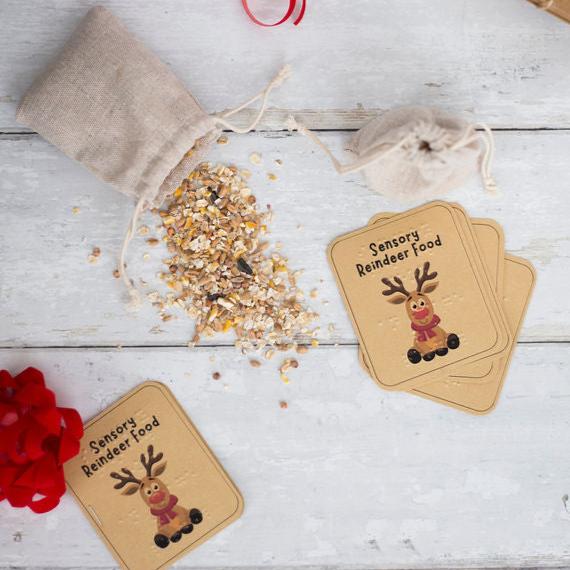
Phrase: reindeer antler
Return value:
(130, 478)
(151, 460)
(425, 276)
(398, 288)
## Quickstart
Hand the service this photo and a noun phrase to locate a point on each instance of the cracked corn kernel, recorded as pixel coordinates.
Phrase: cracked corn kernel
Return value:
(223, 140)
(271, 177)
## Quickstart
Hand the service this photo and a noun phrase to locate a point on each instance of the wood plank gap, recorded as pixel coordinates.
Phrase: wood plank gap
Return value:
(118, 348)
(26, 133)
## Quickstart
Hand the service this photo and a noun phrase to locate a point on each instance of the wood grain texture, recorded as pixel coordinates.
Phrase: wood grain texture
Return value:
(52, 296)
(504, 62)
(348, 476)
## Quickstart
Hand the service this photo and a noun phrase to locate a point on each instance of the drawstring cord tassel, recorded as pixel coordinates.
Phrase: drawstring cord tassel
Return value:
(488, 154)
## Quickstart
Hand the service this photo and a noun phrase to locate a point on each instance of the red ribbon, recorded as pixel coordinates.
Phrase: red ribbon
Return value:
(36, 439)
(290, 9)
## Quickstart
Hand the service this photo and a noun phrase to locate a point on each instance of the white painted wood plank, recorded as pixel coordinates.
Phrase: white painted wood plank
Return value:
(51, 295)
(349, 476)
(503, 62)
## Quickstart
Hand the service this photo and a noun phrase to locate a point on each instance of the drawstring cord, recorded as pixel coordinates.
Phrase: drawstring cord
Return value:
(135, 301)
(275, 82)
(219, 120)
(377, 152)
(488, 153)
(372, 154)
(487, 159)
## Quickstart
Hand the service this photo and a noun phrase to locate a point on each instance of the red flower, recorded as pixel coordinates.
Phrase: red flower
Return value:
(36, 439)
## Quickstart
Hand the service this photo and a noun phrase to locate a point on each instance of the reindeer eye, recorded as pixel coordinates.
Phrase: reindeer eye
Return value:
(148, 492)
(155, 487)
(414, 307)
(421, 303)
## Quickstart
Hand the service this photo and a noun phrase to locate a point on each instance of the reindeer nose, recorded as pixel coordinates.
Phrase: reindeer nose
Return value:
(421, 313)
(157, 497)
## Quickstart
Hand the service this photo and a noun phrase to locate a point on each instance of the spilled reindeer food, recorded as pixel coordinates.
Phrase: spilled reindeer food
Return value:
(221, 271)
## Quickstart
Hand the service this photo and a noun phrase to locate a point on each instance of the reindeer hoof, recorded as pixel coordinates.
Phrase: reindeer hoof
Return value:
(176, 537)
(441, 351)
(161, 541)
(428, 356)
(195, 516)
(414, 356)
(453, 341)
(187, 529)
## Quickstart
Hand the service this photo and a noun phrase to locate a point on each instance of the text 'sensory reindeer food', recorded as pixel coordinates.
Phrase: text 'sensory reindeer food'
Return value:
(148, 482)
(419, 297)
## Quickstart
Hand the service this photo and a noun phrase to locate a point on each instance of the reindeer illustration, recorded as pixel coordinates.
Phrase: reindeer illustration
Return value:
(172, 520)
(430, 338)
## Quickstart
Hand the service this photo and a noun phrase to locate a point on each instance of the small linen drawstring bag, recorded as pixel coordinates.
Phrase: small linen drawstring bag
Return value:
(415, 153)
(113, 106)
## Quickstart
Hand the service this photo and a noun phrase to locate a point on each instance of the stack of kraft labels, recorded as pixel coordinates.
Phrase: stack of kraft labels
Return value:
(435, 301)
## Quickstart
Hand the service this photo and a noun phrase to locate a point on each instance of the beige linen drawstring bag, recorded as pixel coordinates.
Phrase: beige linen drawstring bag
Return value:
(415, 153)
(113, 106)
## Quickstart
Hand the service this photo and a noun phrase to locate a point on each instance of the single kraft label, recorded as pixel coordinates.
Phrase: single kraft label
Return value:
(148, 482)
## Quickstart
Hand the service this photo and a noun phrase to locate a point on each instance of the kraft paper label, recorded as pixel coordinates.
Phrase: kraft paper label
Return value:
(418, 296)
(148, 482)
(490, 241)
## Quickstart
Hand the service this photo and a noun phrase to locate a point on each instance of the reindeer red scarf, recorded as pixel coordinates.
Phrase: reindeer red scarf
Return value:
(166, 514)
(425, 331)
